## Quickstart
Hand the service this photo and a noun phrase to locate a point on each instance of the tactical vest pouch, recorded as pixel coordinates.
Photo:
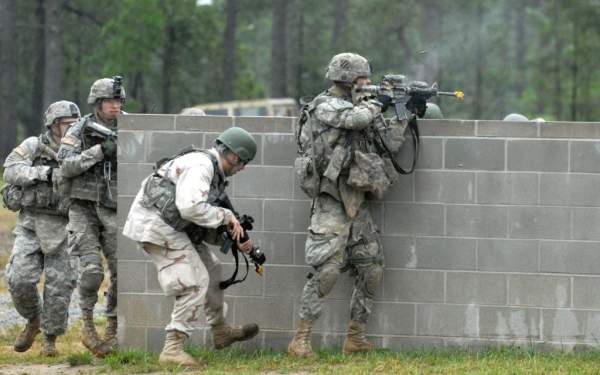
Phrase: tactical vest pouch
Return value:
(159, 193)
(307, 175)
(336, 163)
(86, 187)
(12, 196)
(368, 173)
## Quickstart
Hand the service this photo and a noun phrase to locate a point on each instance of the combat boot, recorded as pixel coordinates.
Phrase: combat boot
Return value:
(49, 346)
(300, 345)
(110, 335)
(27, 336)
(356, 339)
(224, 335)
(89, 336)
(173, 351)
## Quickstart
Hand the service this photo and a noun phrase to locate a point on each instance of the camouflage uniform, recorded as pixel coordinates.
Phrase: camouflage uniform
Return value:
(40, 243)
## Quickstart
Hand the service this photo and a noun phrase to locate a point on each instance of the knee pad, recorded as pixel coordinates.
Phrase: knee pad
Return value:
(90, 282)
(327, 278)
(373, 278)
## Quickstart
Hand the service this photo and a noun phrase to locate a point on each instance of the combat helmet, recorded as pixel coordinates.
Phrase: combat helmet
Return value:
(60, 109)
(515, 117)
(240, 142)
(347, 67)
(433, 112)
(192, 111)
(107, 88)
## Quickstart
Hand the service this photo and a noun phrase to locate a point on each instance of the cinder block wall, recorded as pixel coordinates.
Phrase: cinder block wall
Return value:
(494, 240)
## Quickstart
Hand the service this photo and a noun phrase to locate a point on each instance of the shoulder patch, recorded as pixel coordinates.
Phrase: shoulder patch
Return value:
(70, 140)
(21, 151)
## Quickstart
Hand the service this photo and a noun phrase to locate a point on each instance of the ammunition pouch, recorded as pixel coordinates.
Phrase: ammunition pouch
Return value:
(307, 175)
(159, 193)
(371, 173)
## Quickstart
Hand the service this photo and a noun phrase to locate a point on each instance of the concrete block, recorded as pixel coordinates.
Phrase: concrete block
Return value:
(586, 222)
(446, 186)
(507, 188)
(585, 156)
(431, 153)
(277, 341)
(476, 221)
(261, 181)
(445, 253)
(570, 189)
(560, 129)
(268, 313)
(483, 154)
(286, 215)
(285, 280)
(131, 313)
(447, 128)
(265, 124)
(299, 247)
(539, 291)
(277, 247)
(537, 155)
(496, 128)
(476, 288)
(539, 222)
(570, 257)
(165, 144)
(399, 251)
(335, 316)
(123, 205)
(413, 286)
(132, 147)
(411, 219)
(562, 325)
(411, 343)
(252, 207)
(448, 320)
(402, 190)
(152, 284)
(586, 294)
(279, 149)
(216, 124)
(392, 319)
(130, 177)
(509, 323)
(132, 338)
(254, 285)
(209, 142)
(507, 255)
(128, 249)
(140, 121)
(376, 210)
(132, 276)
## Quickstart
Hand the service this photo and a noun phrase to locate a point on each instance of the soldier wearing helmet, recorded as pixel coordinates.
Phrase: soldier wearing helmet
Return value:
(31, 171)
(515, 117)
(335, 148)
(194, 178)
(89, 163)
(433, 111)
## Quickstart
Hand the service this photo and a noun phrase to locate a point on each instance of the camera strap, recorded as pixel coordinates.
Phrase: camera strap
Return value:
(232, 280)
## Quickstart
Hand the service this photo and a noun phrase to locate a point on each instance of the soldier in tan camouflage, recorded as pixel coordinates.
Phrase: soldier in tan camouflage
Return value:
(88, 161)
(40, 244)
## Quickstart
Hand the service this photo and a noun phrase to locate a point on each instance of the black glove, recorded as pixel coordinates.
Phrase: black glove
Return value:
(418, 106)
(109, 148)
(385, 100)
(49, 175)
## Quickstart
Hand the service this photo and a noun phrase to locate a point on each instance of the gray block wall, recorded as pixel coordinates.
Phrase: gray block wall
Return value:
(494, 240)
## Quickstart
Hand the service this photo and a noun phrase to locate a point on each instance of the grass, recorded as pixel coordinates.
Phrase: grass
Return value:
(505, 360)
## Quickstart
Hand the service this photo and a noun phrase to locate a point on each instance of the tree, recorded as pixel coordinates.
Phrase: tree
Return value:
(53, 72)
(8, 76)
(231, 11)
(279, 49)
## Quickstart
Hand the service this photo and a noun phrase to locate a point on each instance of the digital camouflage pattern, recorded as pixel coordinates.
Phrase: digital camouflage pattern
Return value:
(105, 88)
(60, 109)
(347, 67)
(40, 239)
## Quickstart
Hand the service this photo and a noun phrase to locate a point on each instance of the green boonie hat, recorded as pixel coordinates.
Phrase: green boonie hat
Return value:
(240, 142)
(433, 112)
(515, 117)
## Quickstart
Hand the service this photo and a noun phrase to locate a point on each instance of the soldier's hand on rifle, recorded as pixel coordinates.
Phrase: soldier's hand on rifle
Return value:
(245, 246)
(234, 227)
(109, 147)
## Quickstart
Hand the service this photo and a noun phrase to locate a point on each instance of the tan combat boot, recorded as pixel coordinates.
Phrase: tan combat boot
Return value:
(173, 351)
(110, 335)
(27, 336)
(356, 340)
(300, 345)
(224, 335)
(49, 346)
(89, 336)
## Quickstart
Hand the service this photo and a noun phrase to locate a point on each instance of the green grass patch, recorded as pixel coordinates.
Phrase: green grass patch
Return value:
(80, 359)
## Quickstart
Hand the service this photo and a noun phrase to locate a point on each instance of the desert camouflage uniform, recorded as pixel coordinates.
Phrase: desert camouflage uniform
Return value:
(190, 272)
(92, 228)
(341, 234)
(40, 243)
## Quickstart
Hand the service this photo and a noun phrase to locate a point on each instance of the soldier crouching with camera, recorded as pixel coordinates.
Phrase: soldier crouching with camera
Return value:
(181, 193)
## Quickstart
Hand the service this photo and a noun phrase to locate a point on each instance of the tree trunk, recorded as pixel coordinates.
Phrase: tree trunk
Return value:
(300, 52)
(521, 48)
(479, 63)
(279, 49)
(231, 10)
(8, 76)
(557, 99)
(574, 71)
(168, 62)
(34, 125)
(338, 40)
(53, 71)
